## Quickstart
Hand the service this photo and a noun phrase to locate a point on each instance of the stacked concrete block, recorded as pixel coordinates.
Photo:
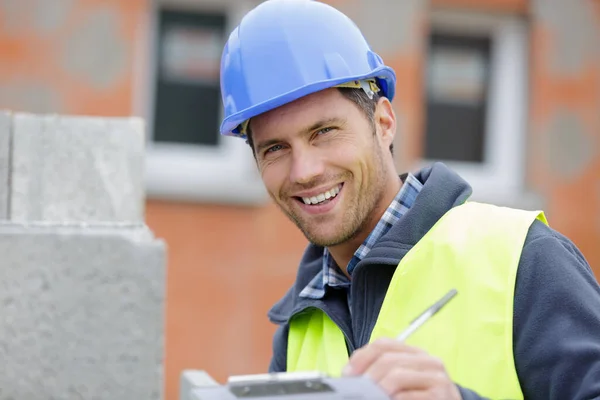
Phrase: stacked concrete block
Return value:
(76, 169)
(5, 144)
(81, 275)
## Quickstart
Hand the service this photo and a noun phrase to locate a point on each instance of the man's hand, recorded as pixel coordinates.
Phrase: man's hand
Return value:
(402, 371)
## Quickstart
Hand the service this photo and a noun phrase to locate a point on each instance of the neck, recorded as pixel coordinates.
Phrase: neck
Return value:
(343, 252)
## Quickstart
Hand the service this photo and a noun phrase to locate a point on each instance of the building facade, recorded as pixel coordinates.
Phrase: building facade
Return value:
(507, 92)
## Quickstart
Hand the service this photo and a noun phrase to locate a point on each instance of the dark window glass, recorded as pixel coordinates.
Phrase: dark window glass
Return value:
(188, 102)
(457, 84)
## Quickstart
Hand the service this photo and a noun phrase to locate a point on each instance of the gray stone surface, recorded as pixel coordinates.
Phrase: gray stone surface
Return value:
(390, 27)
(48, 19)
(95, 52)
(570, 147)
(77, 169)
(35, 96)
(5, 133)
(575, 33)
(82, 313)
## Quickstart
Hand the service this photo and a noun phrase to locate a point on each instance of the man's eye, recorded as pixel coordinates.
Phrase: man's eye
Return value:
(273, 149)
(324, 130)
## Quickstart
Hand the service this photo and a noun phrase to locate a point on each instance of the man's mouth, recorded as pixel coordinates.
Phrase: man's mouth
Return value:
(321, 198)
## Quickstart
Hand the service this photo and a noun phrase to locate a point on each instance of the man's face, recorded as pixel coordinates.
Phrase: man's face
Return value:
(323, 164)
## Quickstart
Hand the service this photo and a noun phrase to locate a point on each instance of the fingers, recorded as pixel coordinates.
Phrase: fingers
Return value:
(415, 395)
(402, 371)
(388, 362)
(399, 381)
(364, 357)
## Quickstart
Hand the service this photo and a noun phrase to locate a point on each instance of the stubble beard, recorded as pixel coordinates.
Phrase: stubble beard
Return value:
(358, 215)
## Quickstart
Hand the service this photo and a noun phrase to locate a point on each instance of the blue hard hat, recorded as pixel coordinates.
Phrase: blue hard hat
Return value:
(286, 49)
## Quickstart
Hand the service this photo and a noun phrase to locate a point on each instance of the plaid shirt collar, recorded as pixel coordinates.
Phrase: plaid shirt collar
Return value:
(331, 275)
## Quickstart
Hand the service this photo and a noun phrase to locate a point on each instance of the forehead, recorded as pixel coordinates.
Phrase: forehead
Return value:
(326, 104)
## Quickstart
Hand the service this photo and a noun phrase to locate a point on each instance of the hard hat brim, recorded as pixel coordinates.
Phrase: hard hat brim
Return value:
(384, 74)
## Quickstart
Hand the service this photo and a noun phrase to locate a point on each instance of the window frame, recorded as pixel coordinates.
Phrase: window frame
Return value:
(501, 176)
(225, 173)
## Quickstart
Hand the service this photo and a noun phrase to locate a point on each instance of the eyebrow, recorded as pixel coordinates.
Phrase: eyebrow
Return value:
(319, 124)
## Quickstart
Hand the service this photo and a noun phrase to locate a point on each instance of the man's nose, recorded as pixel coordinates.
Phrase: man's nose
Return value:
(307, 164)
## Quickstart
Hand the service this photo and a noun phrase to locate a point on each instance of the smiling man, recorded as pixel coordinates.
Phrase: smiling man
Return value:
(333, 180)
(302, 86)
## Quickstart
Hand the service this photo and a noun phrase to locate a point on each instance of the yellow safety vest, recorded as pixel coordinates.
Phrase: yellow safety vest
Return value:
(474, 248)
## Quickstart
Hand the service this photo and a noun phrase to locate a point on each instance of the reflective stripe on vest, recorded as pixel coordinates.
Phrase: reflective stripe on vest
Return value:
(474, 248)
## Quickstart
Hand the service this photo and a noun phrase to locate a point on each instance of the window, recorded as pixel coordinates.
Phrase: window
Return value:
(187, 80)
(476, 100)
(179, 96)
(457, 76)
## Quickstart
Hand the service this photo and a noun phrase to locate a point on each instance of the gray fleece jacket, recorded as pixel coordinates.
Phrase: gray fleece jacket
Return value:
(556, 307)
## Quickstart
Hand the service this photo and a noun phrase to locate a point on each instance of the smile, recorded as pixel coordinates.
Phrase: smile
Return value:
(323, 197)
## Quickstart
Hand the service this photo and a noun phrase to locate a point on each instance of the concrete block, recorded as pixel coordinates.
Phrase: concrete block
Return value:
(191, 379)
(77, 169)
(5, 140)
(82, 313)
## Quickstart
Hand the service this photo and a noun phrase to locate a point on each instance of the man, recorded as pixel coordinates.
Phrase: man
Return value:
(302, 86)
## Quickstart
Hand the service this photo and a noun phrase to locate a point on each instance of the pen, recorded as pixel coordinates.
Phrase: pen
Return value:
(430, 312)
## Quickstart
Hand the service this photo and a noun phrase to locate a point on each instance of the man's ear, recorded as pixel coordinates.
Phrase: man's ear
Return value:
(385, 121)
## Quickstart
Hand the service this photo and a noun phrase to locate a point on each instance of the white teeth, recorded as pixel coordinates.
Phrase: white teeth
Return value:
(323, 196)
